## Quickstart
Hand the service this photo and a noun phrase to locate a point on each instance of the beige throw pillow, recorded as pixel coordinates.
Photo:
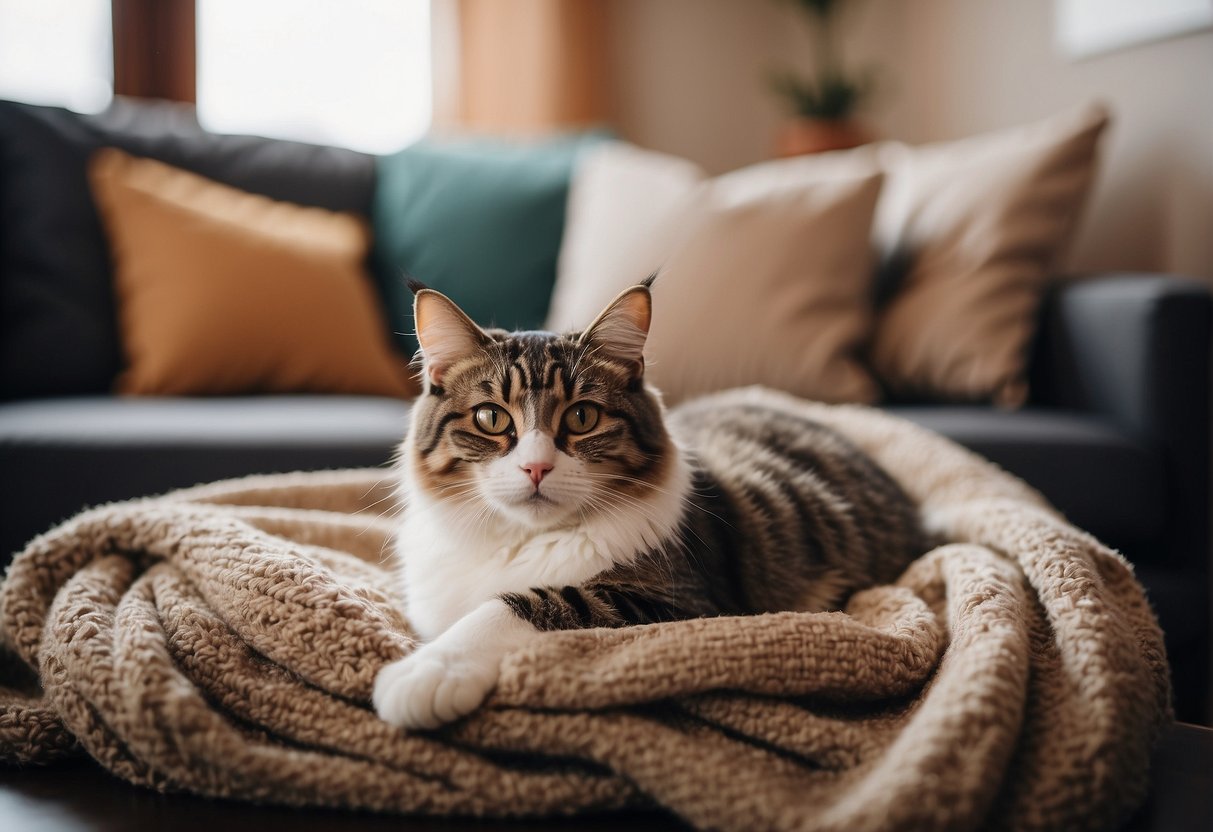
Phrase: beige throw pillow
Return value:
(982, 222)
(765, 273)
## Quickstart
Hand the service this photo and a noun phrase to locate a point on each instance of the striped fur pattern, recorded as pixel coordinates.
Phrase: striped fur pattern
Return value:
(784, 514)
(545, 488)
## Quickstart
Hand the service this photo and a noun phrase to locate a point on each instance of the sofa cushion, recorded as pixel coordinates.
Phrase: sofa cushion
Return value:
(333, 178)
(1098, 476)
(478, 220)
(224, 292)
(776, 255)
(59, 455)
(58, 334)
(981, 221)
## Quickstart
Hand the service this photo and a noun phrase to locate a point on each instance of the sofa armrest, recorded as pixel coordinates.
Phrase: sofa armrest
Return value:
(1135, 349)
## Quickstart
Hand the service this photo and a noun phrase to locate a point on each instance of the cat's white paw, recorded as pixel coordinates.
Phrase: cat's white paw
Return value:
(433, 686)
(450, 677)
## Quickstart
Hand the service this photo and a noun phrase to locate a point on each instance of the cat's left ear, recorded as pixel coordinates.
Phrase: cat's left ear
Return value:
(445, 332)
(620, 331)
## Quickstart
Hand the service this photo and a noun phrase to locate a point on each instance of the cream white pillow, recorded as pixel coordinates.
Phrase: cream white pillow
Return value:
(765, 273)
(981, 222)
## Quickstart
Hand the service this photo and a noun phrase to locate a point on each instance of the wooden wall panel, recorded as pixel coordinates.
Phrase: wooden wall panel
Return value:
(154, 49)
(530, 66)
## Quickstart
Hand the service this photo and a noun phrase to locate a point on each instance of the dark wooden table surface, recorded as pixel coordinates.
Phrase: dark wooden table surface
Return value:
(81, 797)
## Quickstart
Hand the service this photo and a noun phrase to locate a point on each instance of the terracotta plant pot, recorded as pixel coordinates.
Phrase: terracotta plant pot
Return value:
(817, 135)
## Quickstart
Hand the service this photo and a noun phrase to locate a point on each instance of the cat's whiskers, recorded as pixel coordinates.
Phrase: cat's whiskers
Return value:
(687, 502)
(643, 507)
(382, 517)
(470, 483)
(377, 484)
(615, 514)
(380, 501)
(616, 509)
(605, 512)
(481, 521)
(458, 492)
(456, 519)
(460, 498)
(635, 502)
(390, 514)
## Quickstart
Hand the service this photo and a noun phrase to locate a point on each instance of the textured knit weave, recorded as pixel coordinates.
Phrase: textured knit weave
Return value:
(223, 640)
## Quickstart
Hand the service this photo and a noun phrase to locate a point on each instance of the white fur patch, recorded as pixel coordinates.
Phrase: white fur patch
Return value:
(455, 555)
(450, 677)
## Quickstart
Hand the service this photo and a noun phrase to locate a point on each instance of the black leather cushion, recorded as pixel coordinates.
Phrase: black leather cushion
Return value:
(1099, 477)
(58, 456)
(306, 174)
(57, 323)
(57, 330)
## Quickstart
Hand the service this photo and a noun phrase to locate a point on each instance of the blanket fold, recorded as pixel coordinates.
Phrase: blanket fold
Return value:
(223, 640)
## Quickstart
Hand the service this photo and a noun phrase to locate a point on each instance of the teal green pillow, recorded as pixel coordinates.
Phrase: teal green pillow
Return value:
(479, 220)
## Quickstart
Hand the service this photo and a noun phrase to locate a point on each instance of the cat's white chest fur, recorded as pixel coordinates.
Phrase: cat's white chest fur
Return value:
(449, 571)
(453, 559)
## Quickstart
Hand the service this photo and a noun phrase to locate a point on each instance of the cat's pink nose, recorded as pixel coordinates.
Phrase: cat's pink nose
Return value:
(537, 471)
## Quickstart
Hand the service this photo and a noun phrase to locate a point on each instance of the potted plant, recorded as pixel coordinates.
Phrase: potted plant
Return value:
(823, 105)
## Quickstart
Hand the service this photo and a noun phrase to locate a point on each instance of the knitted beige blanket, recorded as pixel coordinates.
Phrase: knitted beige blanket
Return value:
(223, 640)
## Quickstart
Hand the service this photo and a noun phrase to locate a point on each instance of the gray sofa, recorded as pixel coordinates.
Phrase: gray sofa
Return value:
(1116, 435)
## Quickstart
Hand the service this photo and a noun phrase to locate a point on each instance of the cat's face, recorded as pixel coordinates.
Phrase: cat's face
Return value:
(540, 429)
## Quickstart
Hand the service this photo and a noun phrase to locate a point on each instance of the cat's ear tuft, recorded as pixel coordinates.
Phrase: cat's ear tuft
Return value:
(445, 332)
(622, 328)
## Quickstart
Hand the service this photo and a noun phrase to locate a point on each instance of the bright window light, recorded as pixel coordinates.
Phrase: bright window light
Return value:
(353, 74)
(57, 52)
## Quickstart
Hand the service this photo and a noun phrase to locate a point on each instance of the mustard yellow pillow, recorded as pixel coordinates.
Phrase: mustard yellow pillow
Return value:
(224, 292)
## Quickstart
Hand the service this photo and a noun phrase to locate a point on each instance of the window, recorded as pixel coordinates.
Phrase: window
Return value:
(57, 52)
(354, 73)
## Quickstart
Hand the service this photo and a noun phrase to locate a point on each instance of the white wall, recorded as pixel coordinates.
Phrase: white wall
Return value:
(689, 80)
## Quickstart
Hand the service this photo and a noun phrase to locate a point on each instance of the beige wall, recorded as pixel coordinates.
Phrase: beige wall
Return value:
(689, 80)
(687, 77)
(690, 76)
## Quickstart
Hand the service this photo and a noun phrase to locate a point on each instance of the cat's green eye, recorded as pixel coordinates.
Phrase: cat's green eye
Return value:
(492, 419)
(581, 417)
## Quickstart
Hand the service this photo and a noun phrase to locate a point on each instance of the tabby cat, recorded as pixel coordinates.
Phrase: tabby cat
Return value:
(545, 488)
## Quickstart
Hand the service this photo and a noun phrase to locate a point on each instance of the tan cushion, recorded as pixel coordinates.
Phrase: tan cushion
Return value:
(765, 272)
(223, 292)
(982, 221)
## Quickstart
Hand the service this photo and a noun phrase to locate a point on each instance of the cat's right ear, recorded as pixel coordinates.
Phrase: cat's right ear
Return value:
(445, 332)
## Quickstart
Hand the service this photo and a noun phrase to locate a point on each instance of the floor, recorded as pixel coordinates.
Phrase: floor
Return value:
(81, 797)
